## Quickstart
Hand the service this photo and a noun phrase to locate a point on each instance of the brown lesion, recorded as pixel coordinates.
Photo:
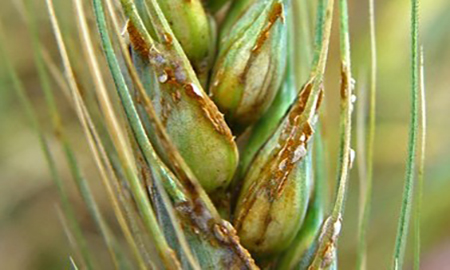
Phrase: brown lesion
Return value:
(177, 78)
(210, 111)
(171, 77)
(139, 44)
(344, 81)
(168, 39)
(176, 96)
(197, 217)
(275, 14)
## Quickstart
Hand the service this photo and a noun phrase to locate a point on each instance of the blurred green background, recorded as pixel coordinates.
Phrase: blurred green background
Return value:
(31, 234)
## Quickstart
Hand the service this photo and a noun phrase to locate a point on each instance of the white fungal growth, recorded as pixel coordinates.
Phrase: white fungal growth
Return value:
(282, 165)
(197, 90)
(315, 119)
(299, 153)
(337, 226)
(302, 138)
(352, 83)
(163, 77)
(352, 157)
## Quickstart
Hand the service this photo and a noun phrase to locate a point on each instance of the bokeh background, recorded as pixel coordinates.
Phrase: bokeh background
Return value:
(31, 233)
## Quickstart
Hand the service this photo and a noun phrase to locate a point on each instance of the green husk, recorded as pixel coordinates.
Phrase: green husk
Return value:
(299, 253)
(204, 240)
(278, 168)
(250, 66)
(191, 26)
(196, 208)
(236, 11)
(266, 126)
(215, 5)
(191, 119)
(270, 211)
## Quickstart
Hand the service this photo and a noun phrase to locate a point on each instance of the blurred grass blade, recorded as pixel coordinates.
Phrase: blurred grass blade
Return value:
(32, 115)
(80, 180)
(142, 201)
(73, 265)
(421, 171)
(303, 32)
(408, 191)
(366, 178)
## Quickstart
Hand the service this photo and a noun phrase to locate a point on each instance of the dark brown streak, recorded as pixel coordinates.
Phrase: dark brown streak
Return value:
(275, 13)
(139, 44)
(272, 177)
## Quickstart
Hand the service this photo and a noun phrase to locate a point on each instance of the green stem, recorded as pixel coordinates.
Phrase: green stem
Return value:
(325, 19)
(318, 32)
(408, 191)
(345, 161)
(328, 238)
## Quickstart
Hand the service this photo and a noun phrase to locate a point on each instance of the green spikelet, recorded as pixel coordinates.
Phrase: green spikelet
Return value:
(191, 119)
(194, 30)
(276, 189)
(251, 62)
(267, 125)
